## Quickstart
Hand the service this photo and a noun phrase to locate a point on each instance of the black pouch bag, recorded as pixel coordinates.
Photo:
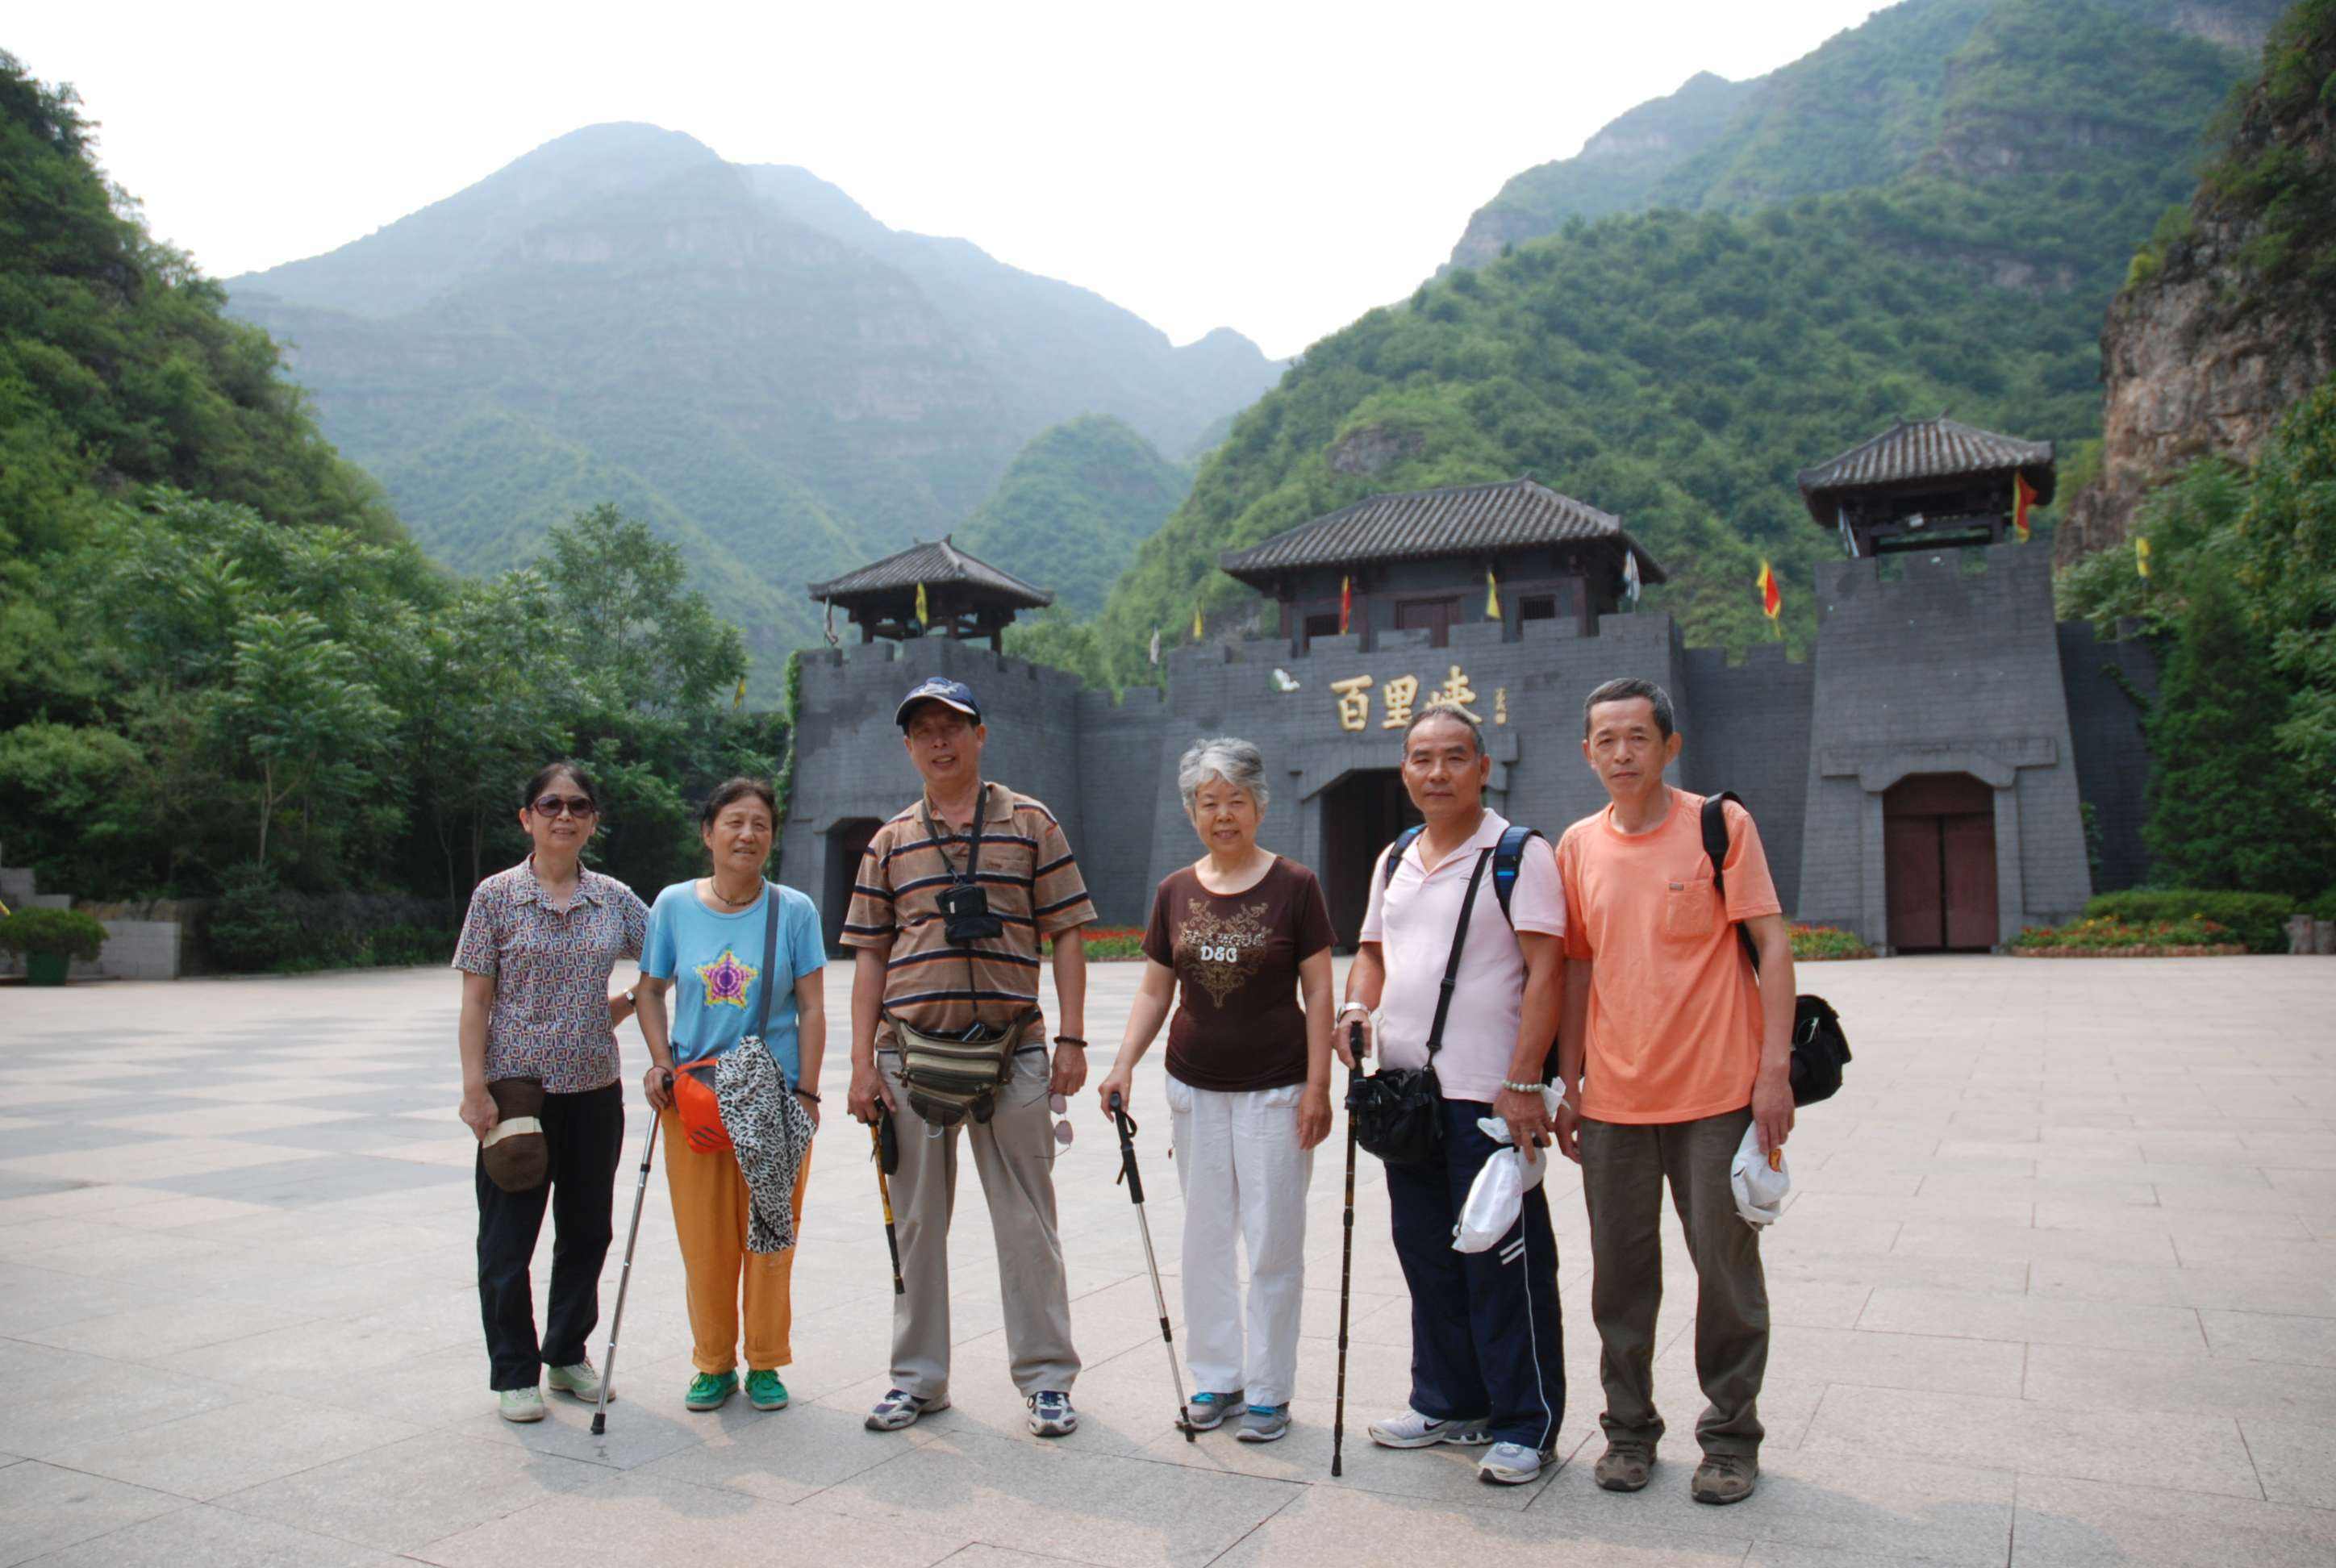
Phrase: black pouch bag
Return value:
(1820, 1048)
(1397, 1112)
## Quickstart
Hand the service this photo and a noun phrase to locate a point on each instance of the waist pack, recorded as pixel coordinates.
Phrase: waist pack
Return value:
(694, 1099)
(951, 1078)
(1398, 1113)
(1820, 1048)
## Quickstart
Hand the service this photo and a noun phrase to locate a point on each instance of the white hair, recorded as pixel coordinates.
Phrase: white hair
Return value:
(1237, 762)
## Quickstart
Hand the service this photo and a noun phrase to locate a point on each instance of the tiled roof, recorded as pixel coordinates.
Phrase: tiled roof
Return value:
(935, 564)
(1422, 525)
(1919, 449)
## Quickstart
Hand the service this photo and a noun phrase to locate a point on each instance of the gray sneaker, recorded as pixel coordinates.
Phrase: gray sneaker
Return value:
(900, 1408)
(1207, 1412)
(520, 1405)
(1510, 1465)
(1413, 1430)
(581, 1381)
(1263, 1423)
(1051, 1415)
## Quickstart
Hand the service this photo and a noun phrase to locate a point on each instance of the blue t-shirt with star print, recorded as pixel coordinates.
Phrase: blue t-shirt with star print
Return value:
(715, 963)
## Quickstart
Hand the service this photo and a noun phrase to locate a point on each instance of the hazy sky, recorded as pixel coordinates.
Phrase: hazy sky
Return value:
(1275, 167)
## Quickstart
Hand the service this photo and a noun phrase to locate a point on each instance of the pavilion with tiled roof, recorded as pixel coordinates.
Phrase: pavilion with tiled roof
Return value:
(965, 598)
(1924, 484)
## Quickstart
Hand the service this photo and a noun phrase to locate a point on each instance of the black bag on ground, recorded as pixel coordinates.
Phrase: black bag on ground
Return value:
(1820, 1048)
(1399, 1112)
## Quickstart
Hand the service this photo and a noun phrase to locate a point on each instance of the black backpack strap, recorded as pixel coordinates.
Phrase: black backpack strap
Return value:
(1508, 860)
(1452, 964)
(1715, 846)
(1395, 853)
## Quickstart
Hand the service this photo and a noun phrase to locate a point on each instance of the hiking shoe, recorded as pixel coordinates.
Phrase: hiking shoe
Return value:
(710, 1391)
(1207, 1412)
(1723, 1479)
(900, 1408)
(1263, 1423)
(764, 1391)
(1413, 1430)
(581, 1381)
(1623, 1467)
(520, 1404)
(1051, 1415)
(1511, 1464)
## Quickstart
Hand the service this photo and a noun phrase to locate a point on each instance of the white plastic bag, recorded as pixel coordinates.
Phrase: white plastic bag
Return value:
(1759, 1192)
(1497, 1196)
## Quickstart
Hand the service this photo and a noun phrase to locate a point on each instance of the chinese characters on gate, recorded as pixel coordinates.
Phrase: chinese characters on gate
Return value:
(1400, 696)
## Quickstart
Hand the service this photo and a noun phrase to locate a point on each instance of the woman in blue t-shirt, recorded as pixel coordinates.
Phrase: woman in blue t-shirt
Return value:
(705, 947)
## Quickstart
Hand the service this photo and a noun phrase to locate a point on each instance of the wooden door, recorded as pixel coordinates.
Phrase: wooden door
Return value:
(1913, 872)
(1967, 847)
(1434, 615)
(847, 842)
(1361, 814)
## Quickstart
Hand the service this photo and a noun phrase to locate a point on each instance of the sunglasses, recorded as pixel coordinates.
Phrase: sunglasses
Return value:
(574, 805)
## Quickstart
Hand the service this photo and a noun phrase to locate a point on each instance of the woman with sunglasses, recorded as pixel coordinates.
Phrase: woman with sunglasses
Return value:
(538, 946)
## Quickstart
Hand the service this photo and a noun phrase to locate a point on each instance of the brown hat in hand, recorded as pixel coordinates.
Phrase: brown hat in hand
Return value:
(517, 1157)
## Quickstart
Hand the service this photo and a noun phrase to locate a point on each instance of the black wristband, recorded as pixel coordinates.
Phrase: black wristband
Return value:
(1070, 1040)
(807, 1094)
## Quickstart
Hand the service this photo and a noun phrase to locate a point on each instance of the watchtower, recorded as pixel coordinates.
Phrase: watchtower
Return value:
(1430, 561)
(1927, 484)
(963, 599)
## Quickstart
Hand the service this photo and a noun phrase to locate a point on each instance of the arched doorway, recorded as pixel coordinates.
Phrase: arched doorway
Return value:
(1938, 836)
(1361, 813)
(847, 841)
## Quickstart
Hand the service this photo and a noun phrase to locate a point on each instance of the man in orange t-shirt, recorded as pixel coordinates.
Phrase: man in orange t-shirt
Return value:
(1684, 1049)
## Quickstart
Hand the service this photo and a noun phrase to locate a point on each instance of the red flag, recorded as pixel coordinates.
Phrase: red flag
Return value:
(1346, 603)
(2023, 497)
(1772, 599)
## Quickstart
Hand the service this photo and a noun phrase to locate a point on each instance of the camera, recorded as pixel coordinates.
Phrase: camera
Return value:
(965, 914)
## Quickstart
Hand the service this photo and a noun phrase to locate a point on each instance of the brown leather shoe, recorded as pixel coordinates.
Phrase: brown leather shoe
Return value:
(1623, 1467)
(1723, 1479)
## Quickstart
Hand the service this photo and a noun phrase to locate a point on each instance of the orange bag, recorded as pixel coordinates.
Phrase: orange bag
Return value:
(700, 1109)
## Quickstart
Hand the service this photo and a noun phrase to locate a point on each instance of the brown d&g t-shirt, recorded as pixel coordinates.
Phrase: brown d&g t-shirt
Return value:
(1238, 1023)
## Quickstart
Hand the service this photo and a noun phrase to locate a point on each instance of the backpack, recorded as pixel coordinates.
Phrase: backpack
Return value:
(1508, 858)
(1820, 1048)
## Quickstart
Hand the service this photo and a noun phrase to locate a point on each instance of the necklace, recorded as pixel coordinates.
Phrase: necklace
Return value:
(720, 896)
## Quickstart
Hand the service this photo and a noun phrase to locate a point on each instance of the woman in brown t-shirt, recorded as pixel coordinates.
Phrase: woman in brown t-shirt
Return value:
(1235, 940)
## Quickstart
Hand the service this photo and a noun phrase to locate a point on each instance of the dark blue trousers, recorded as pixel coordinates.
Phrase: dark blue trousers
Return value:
(1486, 1335)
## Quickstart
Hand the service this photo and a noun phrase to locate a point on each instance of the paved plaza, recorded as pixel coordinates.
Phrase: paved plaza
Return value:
(2057, 1286)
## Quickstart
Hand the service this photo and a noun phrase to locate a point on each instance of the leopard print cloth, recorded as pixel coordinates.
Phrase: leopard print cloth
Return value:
(771, 1133)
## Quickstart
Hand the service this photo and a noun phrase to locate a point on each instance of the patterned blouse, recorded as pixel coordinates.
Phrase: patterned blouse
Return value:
(550, 967)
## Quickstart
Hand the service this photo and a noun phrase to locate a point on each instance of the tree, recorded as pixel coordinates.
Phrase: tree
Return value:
(298, 716)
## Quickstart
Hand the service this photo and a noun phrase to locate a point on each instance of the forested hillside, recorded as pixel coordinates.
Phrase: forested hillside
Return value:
(740, 356)
(224, 667)
(1678, 367)
(1072, 509)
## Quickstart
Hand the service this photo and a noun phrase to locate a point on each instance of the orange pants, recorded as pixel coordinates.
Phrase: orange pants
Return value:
(709, 1215)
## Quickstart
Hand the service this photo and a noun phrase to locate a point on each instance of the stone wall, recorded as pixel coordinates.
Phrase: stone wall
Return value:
(1752, 737)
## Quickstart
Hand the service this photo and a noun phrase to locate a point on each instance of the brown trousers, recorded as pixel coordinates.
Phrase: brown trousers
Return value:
(1623, 1169)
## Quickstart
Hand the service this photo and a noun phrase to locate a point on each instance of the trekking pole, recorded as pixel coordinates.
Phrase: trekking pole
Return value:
(1347, 1253)
(625, 1279)
(876, 1131)
(1135, 1180)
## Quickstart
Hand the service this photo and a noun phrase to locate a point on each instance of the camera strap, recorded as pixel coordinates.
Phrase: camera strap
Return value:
(967, 877)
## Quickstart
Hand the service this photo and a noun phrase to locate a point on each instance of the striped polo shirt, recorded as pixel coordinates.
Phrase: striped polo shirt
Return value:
(1035, 889)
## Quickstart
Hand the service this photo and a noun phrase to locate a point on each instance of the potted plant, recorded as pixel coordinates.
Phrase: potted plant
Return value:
(51, 939)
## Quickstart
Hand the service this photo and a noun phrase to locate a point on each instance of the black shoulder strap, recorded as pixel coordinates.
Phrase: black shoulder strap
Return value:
(1715, 846)
(770, 955)
(1395, 853)
(1452, 964)
(1508, 860)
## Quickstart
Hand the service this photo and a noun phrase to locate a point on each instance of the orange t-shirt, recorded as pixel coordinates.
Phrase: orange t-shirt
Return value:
(1674, 1028)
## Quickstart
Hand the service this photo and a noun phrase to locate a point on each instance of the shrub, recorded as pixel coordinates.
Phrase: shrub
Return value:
(2324, 908)
(1106, 943)
(251, 926)
(2108, 933)
(1827, 942)
(2257, 919)
(256, 926)
(65, 932)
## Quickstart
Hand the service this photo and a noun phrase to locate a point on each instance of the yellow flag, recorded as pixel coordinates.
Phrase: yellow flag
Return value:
(1196, 623)
(1491, 596)
(922, 620)
(2141, 555)
(739, 700)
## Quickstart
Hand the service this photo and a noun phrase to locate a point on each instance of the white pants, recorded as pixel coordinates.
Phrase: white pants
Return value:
(1243, 1176)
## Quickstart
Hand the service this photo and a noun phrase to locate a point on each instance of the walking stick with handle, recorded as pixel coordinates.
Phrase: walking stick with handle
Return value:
(1135, 1181)
(1347, 1253)
(876, 1131)
(625, 1280)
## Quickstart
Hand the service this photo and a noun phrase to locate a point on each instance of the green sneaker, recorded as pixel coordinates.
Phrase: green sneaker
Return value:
(764, 1391)
(521, 1404)
(710, 1391)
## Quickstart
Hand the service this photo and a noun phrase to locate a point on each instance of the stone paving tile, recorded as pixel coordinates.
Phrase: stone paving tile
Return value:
(231, 1446)
(198, 1536)
(2296, 1460)
(2032, 1319)
(406, 1495)
(2083, 1377)
(47, 1509)
(2068, 1523)
(2272, 1336)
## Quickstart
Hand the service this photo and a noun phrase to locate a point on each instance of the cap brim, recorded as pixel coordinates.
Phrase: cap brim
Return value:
(901, 715)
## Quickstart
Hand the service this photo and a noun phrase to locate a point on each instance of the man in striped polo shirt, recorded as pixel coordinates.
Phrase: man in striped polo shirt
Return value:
(969, 833)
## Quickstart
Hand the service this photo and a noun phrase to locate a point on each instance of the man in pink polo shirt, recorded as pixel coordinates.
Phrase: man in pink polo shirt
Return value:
(1487, 1363)
(1671, 1049)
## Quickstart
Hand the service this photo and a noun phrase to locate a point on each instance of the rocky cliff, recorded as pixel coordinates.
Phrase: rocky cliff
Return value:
(2228, 318)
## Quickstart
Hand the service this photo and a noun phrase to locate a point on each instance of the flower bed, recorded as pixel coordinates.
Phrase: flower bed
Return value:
(1108, 944)
(2107, 937)
(1820, 944)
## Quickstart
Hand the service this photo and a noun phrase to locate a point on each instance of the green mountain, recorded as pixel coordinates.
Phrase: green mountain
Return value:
(1072, 509)
(742, 356)
(1678, 366)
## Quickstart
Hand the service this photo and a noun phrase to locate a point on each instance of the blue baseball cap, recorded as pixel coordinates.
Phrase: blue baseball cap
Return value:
(937, 688)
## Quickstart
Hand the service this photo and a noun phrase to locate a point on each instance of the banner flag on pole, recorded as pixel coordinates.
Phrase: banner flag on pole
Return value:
(1196, 623)
(922, 618)
(1491, 596)
(1346, 604)
(1772, 599)
(2023, 496)
(2141, 555)
(739, 700)
(1155, 645)
(1631, 575)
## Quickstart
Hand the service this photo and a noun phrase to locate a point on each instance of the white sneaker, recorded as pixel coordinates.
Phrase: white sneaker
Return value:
(1510, 1465)
(582, 1380)
(521, 1404)
(1413, 1430)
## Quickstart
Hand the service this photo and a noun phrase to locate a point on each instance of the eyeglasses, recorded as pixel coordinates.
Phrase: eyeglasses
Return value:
(574, 805)
(1063, 1132)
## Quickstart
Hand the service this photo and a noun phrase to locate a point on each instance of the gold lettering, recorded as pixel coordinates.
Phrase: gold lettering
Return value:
(1401, 693)
(1454, 692)
(1500, 705)
(1354, 701)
